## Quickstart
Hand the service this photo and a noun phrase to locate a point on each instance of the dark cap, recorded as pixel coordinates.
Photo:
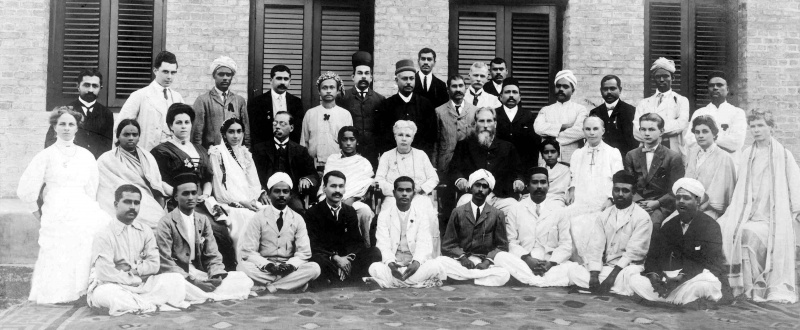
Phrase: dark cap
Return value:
(362, 58)
(186, 177)
(624, 177)
(509, 81)
(404, 65)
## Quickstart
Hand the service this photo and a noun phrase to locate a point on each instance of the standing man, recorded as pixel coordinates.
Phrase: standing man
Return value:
(563, 120)
(262, 109)
(656, 169)
(429, 86)
(275, 246)
(671, 106)
(515, 125)
(322, 123)
(731, 121)
(617, 116)
(149, 105)
(95, 131)
(362, 102)
(498, 72)
(407, 105)
(478, 74)
(218, 105)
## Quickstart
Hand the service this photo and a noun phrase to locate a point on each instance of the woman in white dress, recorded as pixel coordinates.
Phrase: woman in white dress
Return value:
(70, 215)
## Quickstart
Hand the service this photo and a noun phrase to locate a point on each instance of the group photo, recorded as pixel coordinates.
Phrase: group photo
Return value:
(370, 164)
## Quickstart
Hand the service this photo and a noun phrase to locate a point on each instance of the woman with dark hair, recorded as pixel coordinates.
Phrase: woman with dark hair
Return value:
(712, 166)
(70, 215)
(128, 163)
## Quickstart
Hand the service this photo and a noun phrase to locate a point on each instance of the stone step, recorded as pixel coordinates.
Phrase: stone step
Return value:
(19, 232)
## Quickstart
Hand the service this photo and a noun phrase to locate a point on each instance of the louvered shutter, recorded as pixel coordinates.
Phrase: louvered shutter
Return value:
(339, 39)
(665, 39)
(283, 44)
(477, 35)
(711, 47)
(531, 51)
(132, 48)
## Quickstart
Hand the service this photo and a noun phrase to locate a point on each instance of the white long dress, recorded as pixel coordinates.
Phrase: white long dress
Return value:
(70, 219)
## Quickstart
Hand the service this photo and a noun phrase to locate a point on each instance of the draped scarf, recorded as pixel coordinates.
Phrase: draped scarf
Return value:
(117, 167)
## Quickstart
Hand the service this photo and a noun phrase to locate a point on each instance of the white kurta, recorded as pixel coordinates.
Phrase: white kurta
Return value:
(70, 219)
(674, 109)
(550, 119)
(559, 177)
(149, 107)
(321, 131)
(732, 124)
(591, 173)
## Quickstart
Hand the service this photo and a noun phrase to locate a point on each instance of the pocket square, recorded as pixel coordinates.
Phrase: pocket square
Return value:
(697, 248)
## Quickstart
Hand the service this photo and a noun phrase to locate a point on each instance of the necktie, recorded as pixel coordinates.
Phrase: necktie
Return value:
(280, 221)
(224, 97)
(335, 214)
(538, 209)
(478, 214)
(280, 146)
(362, 94)
(458, 109)
(660, 97)
(165, 94)
(425, 83)
(592, 151)
(474, 98)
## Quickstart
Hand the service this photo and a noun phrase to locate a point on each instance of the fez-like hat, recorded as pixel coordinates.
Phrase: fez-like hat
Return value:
(362, 58)
(510, 81)
(624, 177)
(404, 65)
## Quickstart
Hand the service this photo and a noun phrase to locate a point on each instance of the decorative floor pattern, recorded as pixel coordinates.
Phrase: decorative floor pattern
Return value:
(461, 306)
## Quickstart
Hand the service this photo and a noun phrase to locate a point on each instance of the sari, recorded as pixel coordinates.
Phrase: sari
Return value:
(117, 167)
(717, 172)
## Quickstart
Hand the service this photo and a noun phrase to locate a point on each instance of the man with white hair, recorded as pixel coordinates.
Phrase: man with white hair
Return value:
(275, 247)
(218, 105)
(478, 75)
(685, 262)
(668, 104)
(475, 235)
(563, 120)
(321, 124)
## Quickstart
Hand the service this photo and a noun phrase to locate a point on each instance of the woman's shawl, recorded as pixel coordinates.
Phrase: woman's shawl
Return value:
(718, 176)
(235, 180)
(118, 167)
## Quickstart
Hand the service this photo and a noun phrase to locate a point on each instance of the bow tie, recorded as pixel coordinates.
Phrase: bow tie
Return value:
(646, 150)
(326, 117)
(280, 145)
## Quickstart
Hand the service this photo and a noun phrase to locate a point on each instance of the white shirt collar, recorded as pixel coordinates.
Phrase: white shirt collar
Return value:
(473, 91)
(87, 104)
(498, 87)
(612, 105)
(430, 79)
(406, 99)
(187, 218)
(475, 207)
(276, 211)
(366, 90)
(721, 105)
(511, 112)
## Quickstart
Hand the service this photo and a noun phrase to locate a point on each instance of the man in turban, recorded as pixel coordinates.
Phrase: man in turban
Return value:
(563, 120)
(476, 233)
(218, 105)
(685, 262)
(668, 104)
(362, 102)
(275, 246)
(322, 123)
(407, 105)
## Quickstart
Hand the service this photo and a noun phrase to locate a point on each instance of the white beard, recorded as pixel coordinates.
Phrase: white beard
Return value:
(486, 138)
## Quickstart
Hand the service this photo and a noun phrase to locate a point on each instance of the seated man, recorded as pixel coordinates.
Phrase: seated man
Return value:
(476, 233)
(125, 263)
(538, 236)
(187, 247)
(284, 155)
(558, 174)
(656, 169)
(275, 246)
(405, 244)
(358, 171)
(619, 244)
(685, 262)
(336, 243)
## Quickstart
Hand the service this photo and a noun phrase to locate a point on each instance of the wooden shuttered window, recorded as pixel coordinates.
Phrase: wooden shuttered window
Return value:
(118, 37)
(310, 37)
(524, 36)
(694, 34)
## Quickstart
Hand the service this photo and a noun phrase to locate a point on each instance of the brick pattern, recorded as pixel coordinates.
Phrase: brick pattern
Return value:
(402, 28)
(23, 80)
(604, 37)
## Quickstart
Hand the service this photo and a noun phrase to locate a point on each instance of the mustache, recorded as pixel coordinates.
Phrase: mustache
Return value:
(282, 86)
(337, 195)
(539, 191)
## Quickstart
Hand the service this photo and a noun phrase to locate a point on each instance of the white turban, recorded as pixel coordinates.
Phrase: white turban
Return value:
(691, 185)
(481, 174)
(569, 76)
(223, 61)
(663, 63)
(279, 177)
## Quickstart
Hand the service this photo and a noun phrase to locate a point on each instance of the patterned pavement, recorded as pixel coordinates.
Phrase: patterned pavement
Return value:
(459, 306)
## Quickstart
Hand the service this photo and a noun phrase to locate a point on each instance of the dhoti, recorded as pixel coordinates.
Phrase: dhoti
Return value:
(429, 274)
(307, 272)
(579, 275)
(159, 292)
(492, 276)
(235, 286)
(704, 285)
(555, 276)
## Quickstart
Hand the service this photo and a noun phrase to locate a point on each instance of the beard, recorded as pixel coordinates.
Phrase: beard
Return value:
(486, 138)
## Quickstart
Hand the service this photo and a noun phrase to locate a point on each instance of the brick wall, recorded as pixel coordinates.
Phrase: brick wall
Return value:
(402, 28)
(23, 81)
(604, 37)
(200, 31)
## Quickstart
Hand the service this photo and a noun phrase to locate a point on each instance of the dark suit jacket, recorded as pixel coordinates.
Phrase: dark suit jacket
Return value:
(95, 131)
(419, 110)
(520, 133)
(301, 165)
(364, 112)
(174, 248)
(260, 112)
(656, 184)
(482, 238)
(619, 127)
(328, 236)
(436, 93)
(500, 158)
(488, 87)
(700, 248)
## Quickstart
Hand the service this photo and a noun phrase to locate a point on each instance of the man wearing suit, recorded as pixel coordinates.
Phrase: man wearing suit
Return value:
(685, 262)
(516, 126)
(656, 169)
(96, 130)
(149, 105)
(362, 102)
(218, 105)
(283, 155)
(407, 105)
(617, 116)
(262, 109)
(336, 242)
(498, 72)
(428, 85)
